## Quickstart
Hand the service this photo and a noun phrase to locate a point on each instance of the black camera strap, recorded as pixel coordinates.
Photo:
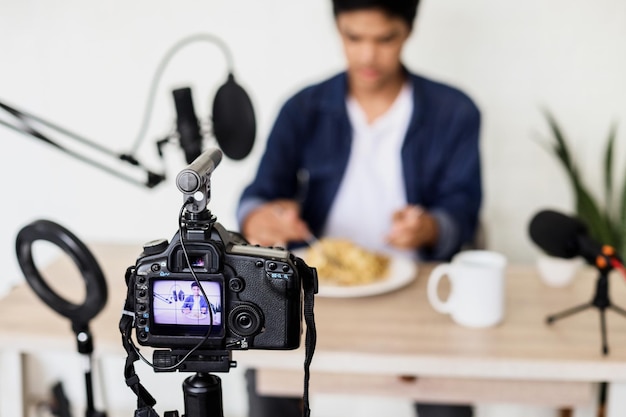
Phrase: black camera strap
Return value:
(145, 401)
(309, 283)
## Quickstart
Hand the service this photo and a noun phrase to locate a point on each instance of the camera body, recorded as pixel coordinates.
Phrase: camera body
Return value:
(254, 293)
(209, 291)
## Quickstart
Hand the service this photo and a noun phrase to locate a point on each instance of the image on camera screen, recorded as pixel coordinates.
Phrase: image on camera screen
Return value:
(179, 302)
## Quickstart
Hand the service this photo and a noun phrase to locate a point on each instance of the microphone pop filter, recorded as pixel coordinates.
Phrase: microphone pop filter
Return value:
(234, 125)
(557, 234)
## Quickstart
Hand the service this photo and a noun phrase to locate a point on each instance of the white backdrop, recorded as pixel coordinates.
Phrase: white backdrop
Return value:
(87, 66)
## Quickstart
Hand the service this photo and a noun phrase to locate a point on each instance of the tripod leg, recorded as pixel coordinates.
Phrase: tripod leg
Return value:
(554, 317)
(618, 309)
(605, 344)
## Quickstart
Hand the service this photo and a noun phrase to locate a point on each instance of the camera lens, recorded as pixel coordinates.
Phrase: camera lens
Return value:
(245, 320)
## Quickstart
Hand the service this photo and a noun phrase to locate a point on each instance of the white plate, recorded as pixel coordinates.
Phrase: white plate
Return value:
(402, 272)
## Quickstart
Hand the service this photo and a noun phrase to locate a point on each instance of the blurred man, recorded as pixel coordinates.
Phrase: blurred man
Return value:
(376, 154)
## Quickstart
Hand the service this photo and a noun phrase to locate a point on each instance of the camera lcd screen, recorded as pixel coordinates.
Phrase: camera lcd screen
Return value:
(179, 307)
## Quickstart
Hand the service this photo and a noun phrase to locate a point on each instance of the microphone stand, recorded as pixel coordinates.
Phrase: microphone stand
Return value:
(27, 124)
(601, 301)
(85, 347)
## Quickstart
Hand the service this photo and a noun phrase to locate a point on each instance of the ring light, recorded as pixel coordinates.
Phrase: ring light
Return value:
(95, 285)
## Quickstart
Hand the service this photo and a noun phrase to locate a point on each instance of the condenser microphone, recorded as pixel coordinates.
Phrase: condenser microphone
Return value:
(563, 236)
(187, 124)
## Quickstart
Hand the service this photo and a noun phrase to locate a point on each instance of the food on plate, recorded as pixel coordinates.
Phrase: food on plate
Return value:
(342, 262)
(196, 315)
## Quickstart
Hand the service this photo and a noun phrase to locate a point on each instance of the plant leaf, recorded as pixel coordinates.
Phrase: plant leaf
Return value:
(562, 152)
(608, 170)
(561, 148)
(589, 211)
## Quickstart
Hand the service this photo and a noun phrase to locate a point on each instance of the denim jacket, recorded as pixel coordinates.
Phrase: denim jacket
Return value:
(309, 145)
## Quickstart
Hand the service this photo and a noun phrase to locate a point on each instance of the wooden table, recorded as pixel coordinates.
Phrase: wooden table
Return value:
(395, 344)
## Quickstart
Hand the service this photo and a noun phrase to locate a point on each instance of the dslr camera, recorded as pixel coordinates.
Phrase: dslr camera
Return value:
(208, 289)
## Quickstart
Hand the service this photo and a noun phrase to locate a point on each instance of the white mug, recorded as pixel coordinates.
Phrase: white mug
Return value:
(477, 288)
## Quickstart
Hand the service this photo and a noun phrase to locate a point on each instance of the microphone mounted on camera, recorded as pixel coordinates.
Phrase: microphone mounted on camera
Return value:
(195, 184)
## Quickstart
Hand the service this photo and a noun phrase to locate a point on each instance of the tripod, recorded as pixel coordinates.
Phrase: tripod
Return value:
(202, 395)
(601, 301)
(202, 391)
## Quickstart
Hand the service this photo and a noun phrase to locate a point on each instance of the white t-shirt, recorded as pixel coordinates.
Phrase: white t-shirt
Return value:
(373, 187)
(196, 304)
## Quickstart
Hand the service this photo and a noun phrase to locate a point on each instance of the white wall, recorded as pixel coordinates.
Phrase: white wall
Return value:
(87, 66)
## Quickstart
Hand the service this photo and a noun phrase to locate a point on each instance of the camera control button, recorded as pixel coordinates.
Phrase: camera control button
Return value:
(236, 284)
(272, 266)
(155, 267)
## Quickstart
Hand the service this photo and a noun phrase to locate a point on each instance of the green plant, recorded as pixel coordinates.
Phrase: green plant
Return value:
(605, 217)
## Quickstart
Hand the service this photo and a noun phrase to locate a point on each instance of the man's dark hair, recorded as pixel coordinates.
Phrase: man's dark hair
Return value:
(404, 9)
(194, 284)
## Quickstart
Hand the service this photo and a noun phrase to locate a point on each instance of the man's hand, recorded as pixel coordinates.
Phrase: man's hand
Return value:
(412, 227)
(275, 224)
